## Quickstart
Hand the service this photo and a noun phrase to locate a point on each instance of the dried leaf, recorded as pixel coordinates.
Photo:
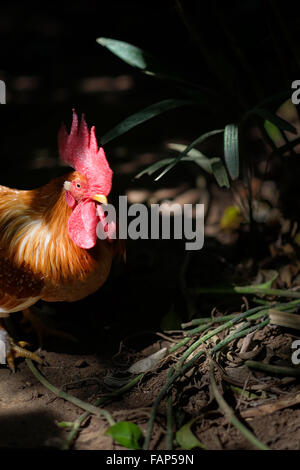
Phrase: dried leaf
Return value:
(146, 364)
(289, 320)
(286, 275)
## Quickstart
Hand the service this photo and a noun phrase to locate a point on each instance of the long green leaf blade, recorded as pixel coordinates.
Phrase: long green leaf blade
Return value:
(220, 173)
(213, 165)
(138, 58)
(187, 150)
(131, 54)
(142, 116)
(194, 155)
(149, 170)
(231, 149)
(268, 115)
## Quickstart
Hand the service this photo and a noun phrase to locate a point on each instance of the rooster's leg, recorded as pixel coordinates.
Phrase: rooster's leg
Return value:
(43, 330)
(13, 350)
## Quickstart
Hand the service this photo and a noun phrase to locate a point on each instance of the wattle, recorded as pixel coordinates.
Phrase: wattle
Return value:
(82, 224)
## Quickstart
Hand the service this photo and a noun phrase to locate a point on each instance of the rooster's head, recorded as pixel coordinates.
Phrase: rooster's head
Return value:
(88, 187)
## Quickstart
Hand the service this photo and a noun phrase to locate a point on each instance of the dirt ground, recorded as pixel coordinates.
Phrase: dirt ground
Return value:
(29, 413)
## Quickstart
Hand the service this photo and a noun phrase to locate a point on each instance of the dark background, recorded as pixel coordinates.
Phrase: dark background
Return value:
(51, 63)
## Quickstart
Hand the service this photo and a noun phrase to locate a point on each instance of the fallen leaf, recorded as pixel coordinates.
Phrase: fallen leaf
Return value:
(186, 439)
(289, 320)
(146, 364)
(126, 433)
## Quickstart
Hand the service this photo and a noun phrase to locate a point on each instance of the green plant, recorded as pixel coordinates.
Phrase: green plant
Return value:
(248, 104)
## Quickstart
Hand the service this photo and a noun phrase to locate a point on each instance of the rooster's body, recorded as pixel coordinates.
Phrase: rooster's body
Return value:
(49, 249)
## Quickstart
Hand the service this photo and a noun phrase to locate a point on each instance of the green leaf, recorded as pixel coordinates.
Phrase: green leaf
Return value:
(270, 275)
(220, 173)
(142, 116)
(213, 165)
(186, 439)
(126, 433)
(273, 131)
(278, 121)
(196, 156)
(186, 151)
(231, 149)
(154, 167)
(131, 54)
(244, 393)
(137, 57)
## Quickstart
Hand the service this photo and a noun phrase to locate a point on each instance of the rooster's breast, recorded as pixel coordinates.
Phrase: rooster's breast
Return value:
(86, 281)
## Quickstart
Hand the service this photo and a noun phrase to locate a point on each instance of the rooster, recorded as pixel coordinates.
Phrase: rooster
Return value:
(49, 248)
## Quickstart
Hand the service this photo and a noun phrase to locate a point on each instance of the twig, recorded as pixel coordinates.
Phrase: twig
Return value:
(167, 338)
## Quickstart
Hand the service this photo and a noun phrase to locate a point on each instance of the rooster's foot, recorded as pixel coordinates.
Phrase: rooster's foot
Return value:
(10, 350)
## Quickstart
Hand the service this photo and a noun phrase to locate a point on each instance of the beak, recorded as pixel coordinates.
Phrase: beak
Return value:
(100, 198)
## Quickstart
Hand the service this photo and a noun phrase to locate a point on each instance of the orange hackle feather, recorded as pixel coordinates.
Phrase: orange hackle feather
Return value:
(34, 232)
(38, 258)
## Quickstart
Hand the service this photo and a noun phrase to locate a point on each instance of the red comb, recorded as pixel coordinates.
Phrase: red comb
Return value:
(79, 149)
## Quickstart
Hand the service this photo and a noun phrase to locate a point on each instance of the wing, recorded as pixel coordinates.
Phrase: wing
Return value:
(19, 286)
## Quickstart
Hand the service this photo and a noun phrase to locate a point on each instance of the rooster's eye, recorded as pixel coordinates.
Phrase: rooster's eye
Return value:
(78, 185)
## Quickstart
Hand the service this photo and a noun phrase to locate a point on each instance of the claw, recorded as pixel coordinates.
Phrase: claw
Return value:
(23, 344)
(14, 350)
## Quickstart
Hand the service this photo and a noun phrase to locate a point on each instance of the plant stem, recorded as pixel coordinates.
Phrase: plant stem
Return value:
(179, 345)
(169, 433)
(79, 421)
(272, 369)
(66, 396)
(90, 409)
(247, 290)
(200, 321)
(198, 330)
(173, 375)
(239, 334)
(217, 330)
(230, 414)
(181, 368)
